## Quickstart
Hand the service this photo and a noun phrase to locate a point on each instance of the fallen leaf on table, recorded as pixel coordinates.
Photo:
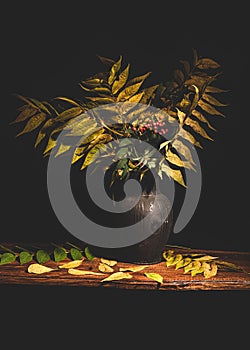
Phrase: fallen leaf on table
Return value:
(83, 272)
(211, 271)
(105, 268)
(39, 269)
(71, 264)
(154, 276)
(133, 268)
(206, 258)
(117, 276)
(109, 262)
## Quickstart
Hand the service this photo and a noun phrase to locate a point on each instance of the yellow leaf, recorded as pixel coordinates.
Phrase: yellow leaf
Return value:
(117, 276)
(78, 154)
(194, 265)
(101, 100)
(92, 155)
(154, 276)
(181, 115)
(122, 79)
(195, 272)
(139, 79)
(210, 270)
(214, 89)
(129, 91)
(212, 100)
(183, 263)
(26, 113)
(148, 93)
(68, 114)
(108, 262)
(133, 268)
(136, 98)
(77, 272)
(207, 63)
(39, 269)
(176, 175)
(186, 66)
(82, 127)
(208, 108)
(69, 100)
(50, 145)
(206, 258)
(62, 149)
(33, 123)
(71, 264)
(173, 158)
(179, 76)
(114, 70)
(189, 137)
(197, 128)
(183, 150)
(105, 268)
(200, 116)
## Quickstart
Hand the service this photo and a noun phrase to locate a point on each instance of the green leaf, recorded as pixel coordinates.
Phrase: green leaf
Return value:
(154, 276)
(125, 142)
(33, 123)
(75, 254)
(88, 254)
(114, 70)
(25, 257)
(42, 256)
(59, 254)
(122, 79)
(7, 258)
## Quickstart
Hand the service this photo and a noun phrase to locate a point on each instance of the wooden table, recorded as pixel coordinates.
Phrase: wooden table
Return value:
(14, 273)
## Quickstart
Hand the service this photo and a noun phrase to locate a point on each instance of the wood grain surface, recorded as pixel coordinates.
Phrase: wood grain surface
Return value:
(14, 273)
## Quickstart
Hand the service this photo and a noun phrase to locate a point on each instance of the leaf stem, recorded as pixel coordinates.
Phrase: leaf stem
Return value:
(8, 250)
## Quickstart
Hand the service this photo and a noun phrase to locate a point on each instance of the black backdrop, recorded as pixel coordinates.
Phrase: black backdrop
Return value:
(47, 50)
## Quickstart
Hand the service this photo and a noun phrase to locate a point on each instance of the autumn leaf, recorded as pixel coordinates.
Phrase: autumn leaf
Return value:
(39, 269)
(128, 92)
(207, 63)
(197, 128)
(212, 100)
(133, 268)
(183, 150)
(208, 108)
(25, 114)
(114, 70)
(77, 272)
(201, 117)
(105, 268)
(176, 175)
(108, 262)
(33, 123)
(116, 276)
(214, 89)
(71, 264)
(122, 79)
(154, 276)
(62, 149)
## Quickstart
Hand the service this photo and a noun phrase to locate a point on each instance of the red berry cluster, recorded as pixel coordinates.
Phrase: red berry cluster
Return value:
(156, 127)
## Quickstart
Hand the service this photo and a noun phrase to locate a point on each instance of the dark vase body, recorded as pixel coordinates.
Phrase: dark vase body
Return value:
(149, 250)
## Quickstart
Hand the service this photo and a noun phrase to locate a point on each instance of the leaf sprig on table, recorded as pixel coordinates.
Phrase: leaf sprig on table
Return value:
(197, 263)
(57, 253)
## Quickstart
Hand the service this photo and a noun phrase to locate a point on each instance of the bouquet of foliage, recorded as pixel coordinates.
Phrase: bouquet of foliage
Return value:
(184, 105)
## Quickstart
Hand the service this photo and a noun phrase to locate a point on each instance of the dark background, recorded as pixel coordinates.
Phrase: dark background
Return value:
(46, 50)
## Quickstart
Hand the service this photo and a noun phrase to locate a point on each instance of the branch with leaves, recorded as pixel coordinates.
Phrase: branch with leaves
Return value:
(187, 99)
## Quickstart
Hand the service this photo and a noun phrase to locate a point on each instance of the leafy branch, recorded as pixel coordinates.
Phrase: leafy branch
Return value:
(56, 253)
